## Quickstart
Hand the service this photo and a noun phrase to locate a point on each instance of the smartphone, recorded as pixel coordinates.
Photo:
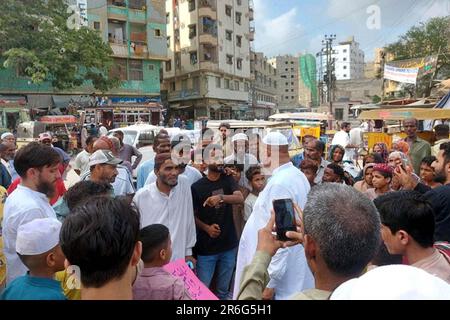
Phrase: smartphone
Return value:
(284, 217)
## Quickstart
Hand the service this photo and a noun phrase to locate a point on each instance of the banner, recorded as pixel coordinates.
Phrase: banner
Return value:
(408, 71)
(405, 75)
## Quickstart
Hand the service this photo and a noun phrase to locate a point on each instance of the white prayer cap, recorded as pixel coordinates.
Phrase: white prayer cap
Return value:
(38, 236)
(239, 136)
(6, 134)
(394, 282)
(275, 138)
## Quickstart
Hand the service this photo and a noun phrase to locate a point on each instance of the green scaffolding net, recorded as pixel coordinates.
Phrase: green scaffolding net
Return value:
(307, 65)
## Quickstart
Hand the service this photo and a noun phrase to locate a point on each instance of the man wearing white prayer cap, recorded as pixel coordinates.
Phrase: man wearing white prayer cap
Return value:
(394, 282)
(288, 271)
(241, 156)
(8, 137)
(37, 246)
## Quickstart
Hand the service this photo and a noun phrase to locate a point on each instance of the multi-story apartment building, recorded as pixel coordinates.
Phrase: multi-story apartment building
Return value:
(136, 32)
(263, 92)
(348, 61)
(287, 81)
(208, 69)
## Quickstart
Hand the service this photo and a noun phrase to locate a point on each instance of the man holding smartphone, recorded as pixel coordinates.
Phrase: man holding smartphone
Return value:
(288, 269)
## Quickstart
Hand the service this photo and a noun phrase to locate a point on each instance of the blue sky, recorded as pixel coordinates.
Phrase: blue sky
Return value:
(298, 26)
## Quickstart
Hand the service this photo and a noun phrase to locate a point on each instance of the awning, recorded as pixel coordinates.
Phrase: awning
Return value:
(40, 101)
(12, 101)
(61, 101)
(405, 113)
(178, 107)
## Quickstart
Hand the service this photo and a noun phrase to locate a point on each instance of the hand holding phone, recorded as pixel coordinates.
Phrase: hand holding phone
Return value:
(284, 217)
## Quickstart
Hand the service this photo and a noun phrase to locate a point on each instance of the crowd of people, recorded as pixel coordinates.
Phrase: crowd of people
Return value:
(385, 227)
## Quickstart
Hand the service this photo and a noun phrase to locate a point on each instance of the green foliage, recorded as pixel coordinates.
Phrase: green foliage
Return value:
(423, 40)
(35, 39)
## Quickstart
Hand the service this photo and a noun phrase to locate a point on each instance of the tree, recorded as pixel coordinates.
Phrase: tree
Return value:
(36, 39)
(426, 39)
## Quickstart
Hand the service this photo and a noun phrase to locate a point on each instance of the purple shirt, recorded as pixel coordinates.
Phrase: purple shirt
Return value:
(127, 151)
(158, 284)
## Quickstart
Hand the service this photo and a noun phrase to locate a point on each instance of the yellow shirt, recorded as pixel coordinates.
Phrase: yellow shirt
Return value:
(3, 195)
(71, 294)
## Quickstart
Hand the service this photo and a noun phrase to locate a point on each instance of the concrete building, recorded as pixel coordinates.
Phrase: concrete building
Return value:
(136, 32)
(287, 82)
(208, 69)
(263, 91)
(349, 61)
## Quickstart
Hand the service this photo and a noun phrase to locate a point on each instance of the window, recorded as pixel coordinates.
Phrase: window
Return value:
(287, 97)
(345, 67)
(229, 59)
(135, 67)
(286, 69)
(345, 76)
(192, 31)
(228, 34)
(184, 84)
(196, 83)
(275, 84)
(169, 65)
(191, 5)
(172, 86)
(286, 62)
(345, 59)
(292, 83)
(287, 83)
(246, 88)
(239, 64)
(193, 57)
(118, 70)
(236, 86)
(292, 97)
(157, 32)
(292, 69)
(228, 10)
(227, 83)
(339, 114)
(239, 41)
(345, 51)
(238, 17)
(292, 76)
(96, 25)
(292, 90)
(218, 84)
(286, 90)
(292, 62)
(151, 67)
(283, 76)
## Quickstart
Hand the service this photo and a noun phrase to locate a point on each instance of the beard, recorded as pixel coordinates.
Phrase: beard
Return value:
(168, 182)
(46, 188)
(440, 177)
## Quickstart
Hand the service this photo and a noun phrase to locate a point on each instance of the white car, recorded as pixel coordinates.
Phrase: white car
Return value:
(138, 135)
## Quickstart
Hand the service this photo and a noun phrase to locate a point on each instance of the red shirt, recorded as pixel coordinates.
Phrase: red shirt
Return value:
(60, 189)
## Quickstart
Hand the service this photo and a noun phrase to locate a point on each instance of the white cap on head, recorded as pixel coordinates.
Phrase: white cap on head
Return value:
(6, 134)
(275, 138)
(38, 236)
(394, 282)
(103, 157)
(239, 136)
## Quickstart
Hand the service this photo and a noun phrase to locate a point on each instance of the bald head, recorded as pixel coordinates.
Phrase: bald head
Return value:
(410, 125)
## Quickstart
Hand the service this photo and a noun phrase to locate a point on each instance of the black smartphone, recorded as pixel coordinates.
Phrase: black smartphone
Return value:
(284, 217)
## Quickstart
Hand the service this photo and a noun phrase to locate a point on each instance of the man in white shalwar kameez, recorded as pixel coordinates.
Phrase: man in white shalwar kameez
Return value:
(288, 270)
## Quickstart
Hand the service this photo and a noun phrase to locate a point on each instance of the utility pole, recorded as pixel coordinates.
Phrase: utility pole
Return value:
(328, 78)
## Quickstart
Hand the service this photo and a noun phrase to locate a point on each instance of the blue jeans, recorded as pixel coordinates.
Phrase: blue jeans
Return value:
(225, 262)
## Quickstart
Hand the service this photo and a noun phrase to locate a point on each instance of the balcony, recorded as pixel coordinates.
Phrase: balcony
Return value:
(207, 38)
(119, 49)
(211, 4)
(251, 14)
(251, 34)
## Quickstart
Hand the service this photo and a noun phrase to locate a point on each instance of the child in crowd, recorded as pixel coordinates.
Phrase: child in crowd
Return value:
(309, 169)
(381, 180)
(38, 248)
(235, 170)
(153, 282)
(258, 182)
(427, 173)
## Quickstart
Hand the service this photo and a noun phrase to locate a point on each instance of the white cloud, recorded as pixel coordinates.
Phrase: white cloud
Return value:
(273, 35)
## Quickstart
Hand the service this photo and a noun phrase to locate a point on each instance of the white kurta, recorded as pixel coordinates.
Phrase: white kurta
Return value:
(22, 206)
(192, 174)
(289, 272)
(174, 211)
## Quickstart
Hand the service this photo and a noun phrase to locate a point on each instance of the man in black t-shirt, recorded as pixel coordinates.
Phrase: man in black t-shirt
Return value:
(217, 242)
